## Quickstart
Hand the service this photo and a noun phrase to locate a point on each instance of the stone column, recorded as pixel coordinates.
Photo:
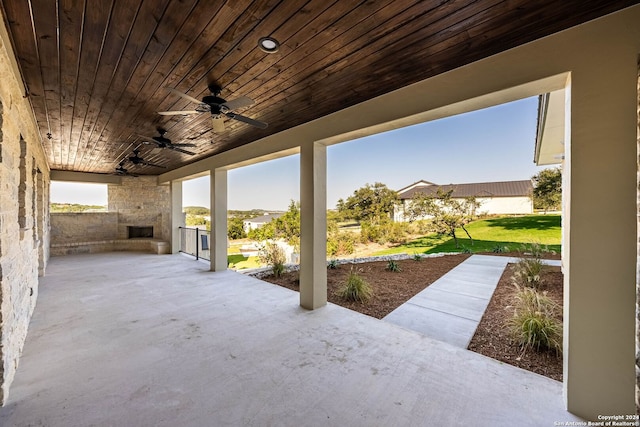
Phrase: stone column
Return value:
(218, 203)
(177, 217)
(313, 225)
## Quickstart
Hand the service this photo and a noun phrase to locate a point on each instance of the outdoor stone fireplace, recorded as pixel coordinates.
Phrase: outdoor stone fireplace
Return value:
(143, 207)
(138, 219)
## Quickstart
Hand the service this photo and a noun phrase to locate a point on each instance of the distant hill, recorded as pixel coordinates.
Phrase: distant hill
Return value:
(195, 210)
(74, 207)
(250, 213)
(244, 214)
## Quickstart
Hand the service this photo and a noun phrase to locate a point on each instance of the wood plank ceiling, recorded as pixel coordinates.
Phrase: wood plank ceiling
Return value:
(97, 72)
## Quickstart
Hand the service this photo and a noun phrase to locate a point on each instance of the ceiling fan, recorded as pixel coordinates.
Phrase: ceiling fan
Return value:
(120, 170)
(218, 107)
(162, 142)
(137, 160)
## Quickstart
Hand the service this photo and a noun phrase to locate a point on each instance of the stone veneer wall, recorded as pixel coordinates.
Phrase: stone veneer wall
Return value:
(141, 202)
(83, 227)
(24, 216)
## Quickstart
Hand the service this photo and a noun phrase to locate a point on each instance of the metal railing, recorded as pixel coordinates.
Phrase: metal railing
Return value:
(195, 242)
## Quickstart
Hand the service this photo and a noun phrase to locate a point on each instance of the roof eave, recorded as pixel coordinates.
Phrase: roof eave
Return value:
(550, 132)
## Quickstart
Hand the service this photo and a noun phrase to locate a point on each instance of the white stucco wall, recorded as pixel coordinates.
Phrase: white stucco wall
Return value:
(505, 205)
(488, 206)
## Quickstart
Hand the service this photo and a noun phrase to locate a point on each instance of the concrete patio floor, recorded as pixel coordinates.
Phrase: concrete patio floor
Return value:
(125, 339)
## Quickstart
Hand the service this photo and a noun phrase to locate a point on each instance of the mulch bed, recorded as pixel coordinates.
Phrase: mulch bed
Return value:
(392, 289)
(493, 340)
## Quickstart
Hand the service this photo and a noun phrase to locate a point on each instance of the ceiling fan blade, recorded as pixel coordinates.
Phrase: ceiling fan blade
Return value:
(241, 118)
(234, 104)
(177, 113)
(148, 139)
(184, 95)
(173, 147)
(144, 162)
(217, 124)
(121, 171)
(184, 144)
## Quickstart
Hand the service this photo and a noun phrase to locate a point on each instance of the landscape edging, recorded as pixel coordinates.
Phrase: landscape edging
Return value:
(261, 272)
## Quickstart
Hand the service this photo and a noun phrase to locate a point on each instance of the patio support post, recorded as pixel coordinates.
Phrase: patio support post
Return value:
(599, 226)
(313, 225)
(218, 203)
(177, 217)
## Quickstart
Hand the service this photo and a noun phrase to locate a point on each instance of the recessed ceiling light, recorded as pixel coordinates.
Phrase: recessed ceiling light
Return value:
(268, 44)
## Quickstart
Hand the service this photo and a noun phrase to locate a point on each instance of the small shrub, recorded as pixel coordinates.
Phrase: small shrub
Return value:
(499, 249)
(393, 266)
(332, 264)
(274, 256)
(537, 250)
(395, 232)
(466, 250)
(533, 325)
(369, 232)
(384, 232)
(528, 272)
(340, 243)
(416, 256)
(355, 289)
(421, 227)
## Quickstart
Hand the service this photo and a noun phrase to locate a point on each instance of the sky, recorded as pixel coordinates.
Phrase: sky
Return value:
(494, 144)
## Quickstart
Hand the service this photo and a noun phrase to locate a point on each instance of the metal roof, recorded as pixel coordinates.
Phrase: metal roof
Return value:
(481, 189)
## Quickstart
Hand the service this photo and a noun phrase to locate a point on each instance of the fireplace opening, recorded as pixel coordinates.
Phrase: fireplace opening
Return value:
(140, 232)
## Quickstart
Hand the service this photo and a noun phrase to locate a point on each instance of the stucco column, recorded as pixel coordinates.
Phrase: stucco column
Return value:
(313, 225)
(600, 236)
(177, 217)
(218, 203)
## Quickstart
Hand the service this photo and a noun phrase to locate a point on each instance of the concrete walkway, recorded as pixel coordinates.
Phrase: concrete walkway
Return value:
(450, 309)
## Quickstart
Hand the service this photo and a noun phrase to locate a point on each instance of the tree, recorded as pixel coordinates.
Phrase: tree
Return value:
(547, 189)
(369, 203)
(196, 220)
(446, 213)
(235, 228)
(286, 227)
(266, 232)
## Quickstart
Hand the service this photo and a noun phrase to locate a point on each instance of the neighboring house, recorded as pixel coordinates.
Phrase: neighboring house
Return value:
(506, 197)
(259, 221)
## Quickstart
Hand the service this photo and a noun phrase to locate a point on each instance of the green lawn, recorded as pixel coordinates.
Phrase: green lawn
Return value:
(237, 261)
(240, 262)
(512, 232)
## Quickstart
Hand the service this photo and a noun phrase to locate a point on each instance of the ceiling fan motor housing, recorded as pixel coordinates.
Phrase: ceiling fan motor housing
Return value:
(214, 102)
